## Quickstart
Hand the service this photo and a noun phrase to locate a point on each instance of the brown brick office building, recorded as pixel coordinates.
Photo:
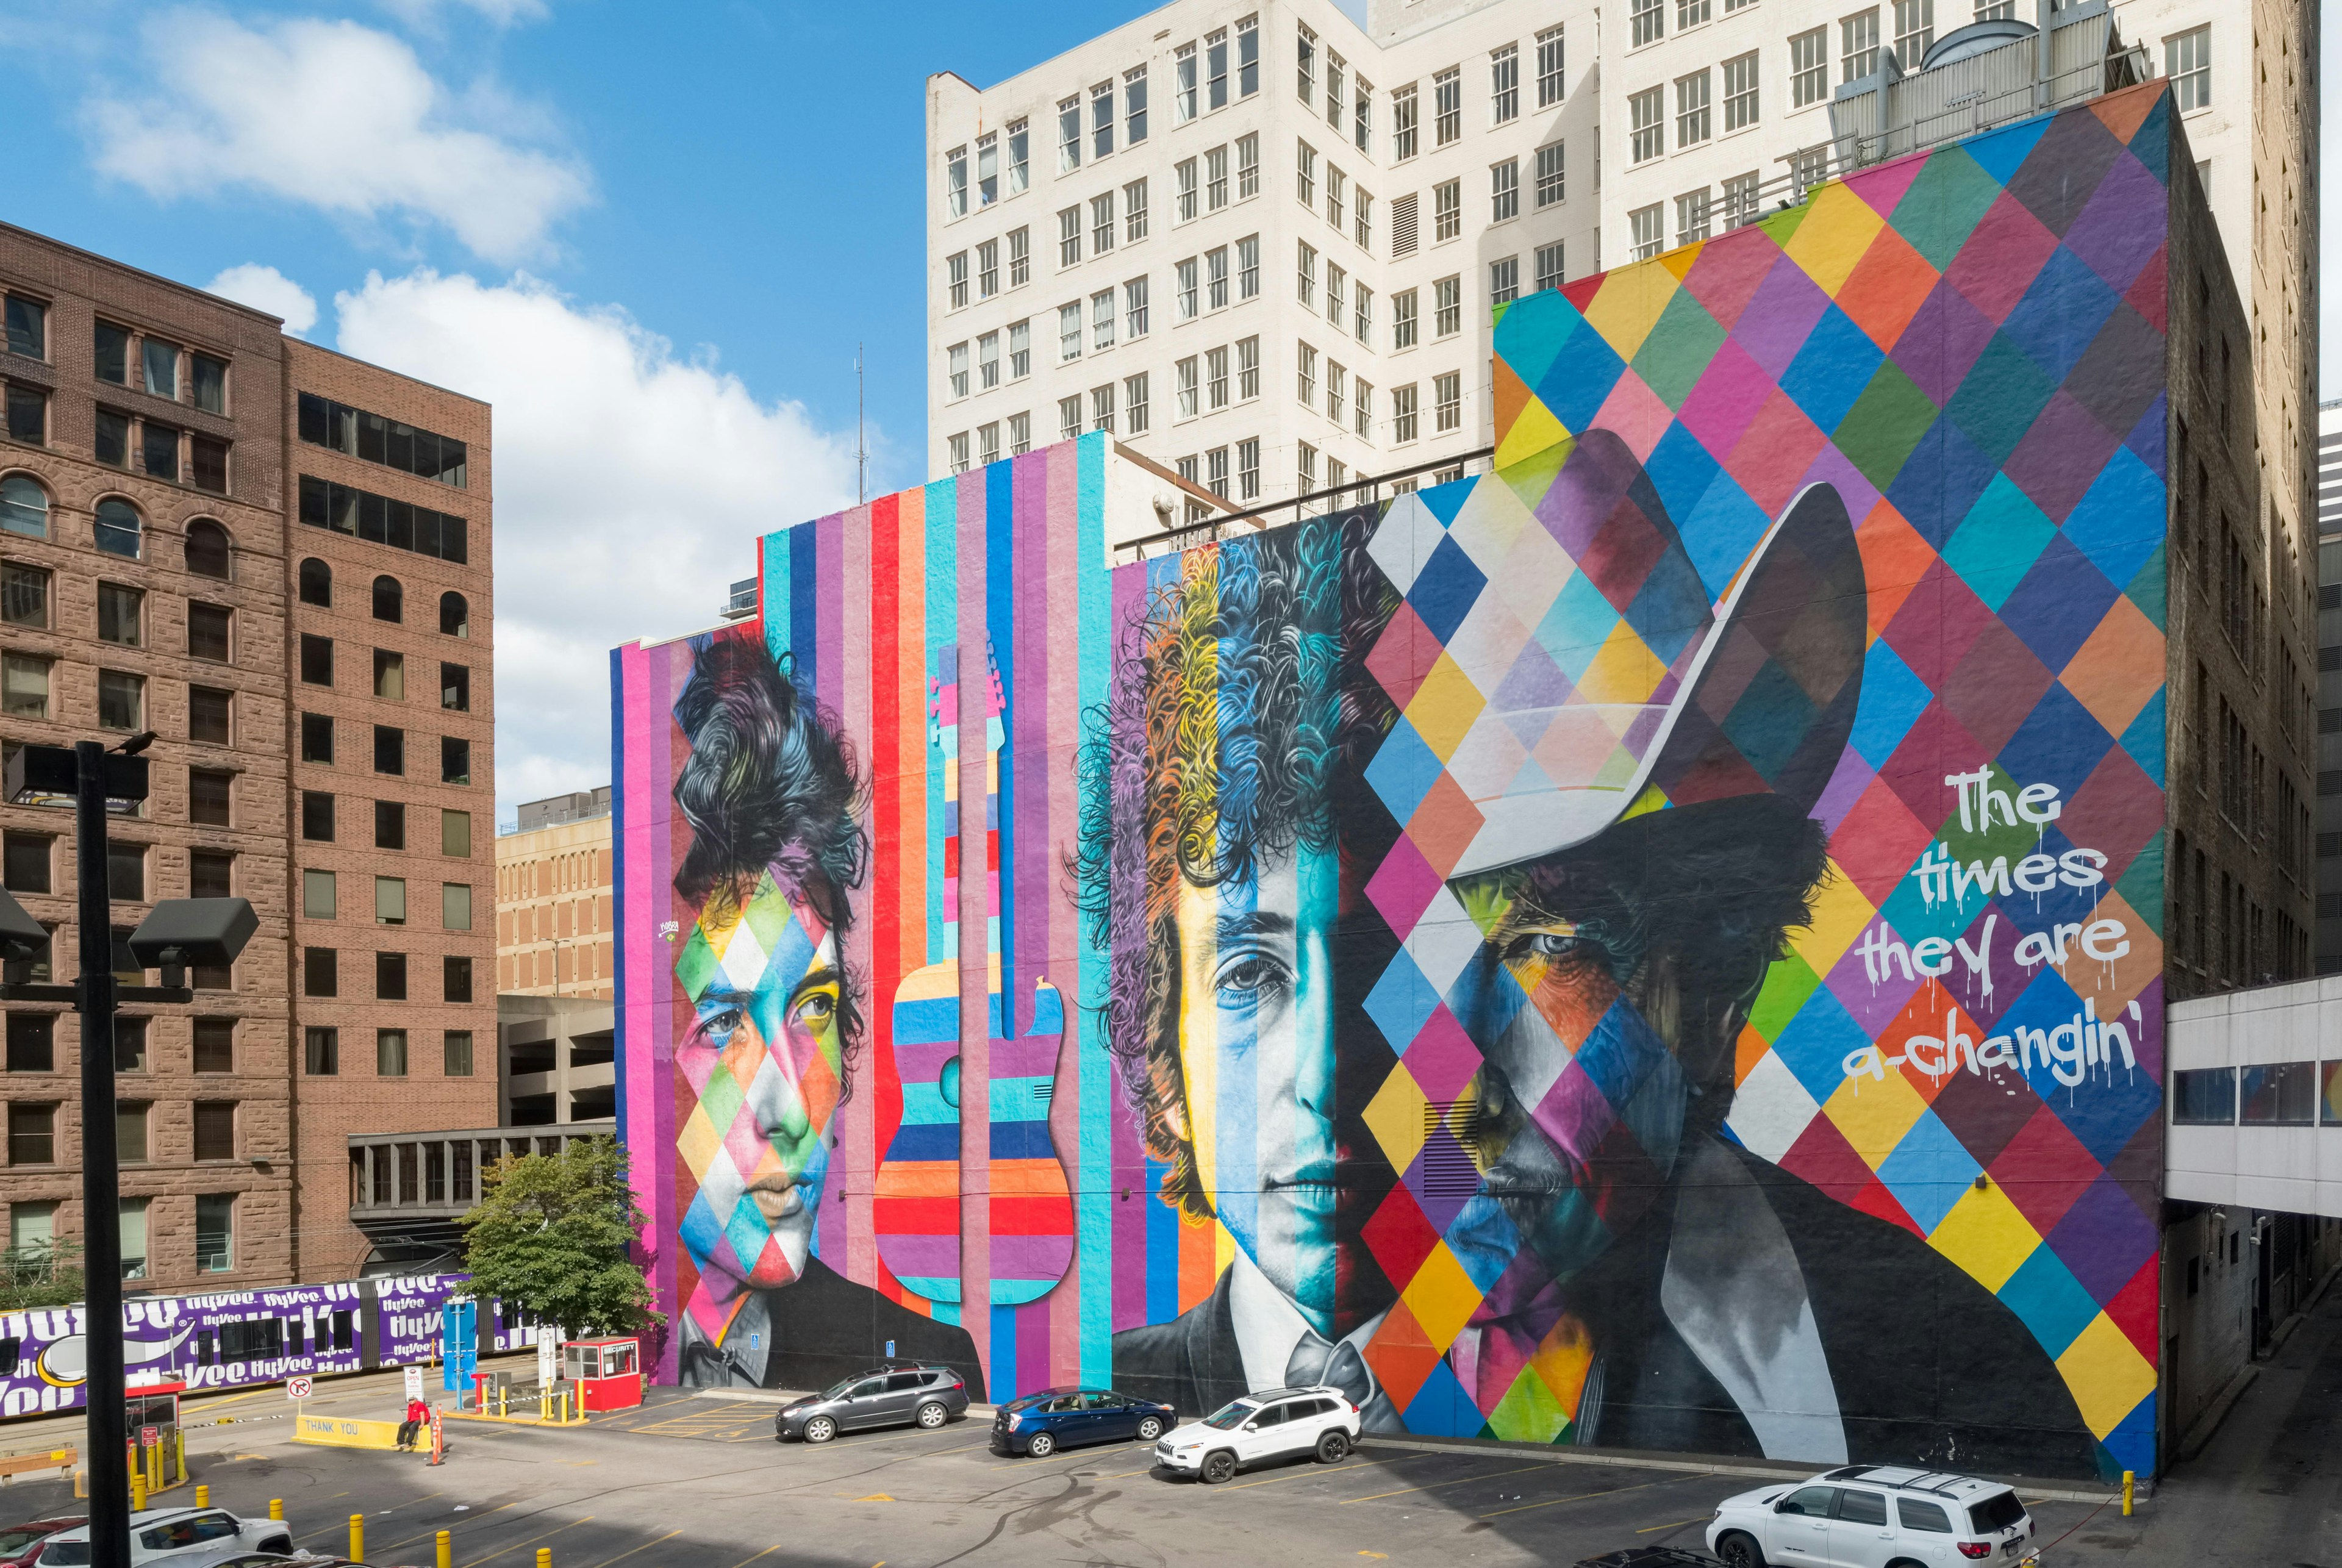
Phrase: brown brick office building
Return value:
(278, 559)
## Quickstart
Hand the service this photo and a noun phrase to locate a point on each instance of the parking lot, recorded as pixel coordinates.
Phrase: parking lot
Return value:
(698, 1480)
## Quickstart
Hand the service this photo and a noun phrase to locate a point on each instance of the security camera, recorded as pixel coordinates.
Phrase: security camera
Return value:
(1163, 506)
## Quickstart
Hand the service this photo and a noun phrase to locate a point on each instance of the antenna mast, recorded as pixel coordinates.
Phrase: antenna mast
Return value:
(861, 452)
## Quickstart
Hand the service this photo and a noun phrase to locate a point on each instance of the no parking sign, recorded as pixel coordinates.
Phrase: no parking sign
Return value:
(297, 1388)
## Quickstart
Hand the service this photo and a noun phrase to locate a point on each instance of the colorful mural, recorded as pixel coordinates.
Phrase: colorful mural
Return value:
(1657, 945)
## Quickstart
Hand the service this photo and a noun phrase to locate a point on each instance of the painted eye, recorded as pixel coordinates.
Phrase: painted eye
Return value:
(1245, 977)
(816, 1010)
(1552, 945)
(716, 1027)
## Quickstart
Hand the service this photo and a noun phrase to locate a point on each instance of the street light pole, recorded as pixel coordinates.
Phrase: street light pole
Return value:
(101, 1194)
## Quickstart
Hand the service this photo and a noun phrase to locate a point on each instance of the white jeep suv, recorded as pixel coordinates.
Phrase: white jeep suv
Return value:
(1875, 1516)
(1275, 1423)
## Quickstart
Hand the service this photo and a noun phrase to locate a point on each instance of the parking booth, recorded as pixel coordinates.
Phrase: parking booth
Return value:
(607, 1372)
(151, 1416)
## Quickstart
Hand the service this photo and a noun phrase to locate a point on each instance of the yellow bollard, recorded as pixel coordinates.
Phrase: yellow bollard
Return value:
(179, 1448)
(447, 1550)
(357, 1537)
(544, 1557)
(202, 1496)
(276, 1509)
(2129, 1479)
(138, 1492)
(503, 1401)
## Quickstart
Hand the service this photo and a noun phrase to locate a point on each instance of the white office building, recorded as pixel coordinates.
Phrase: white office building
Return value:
(1261, 245)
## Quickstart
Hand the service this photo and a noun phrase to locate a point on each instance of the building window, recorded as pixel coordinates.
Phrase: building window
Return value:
(1335, 281)
(956, 276)
(1403, 415)
(121, 700)
(1503, 280)
(957, 358)
(1020, 257)
(1403, 319)
(361, 514)
(316, 816)
(1646, 114)
(1216, 472)
(1646, 21)
(28, 327)
(1504, 83)
(1102, 224)
(118, 529)
(1306, 388)
(317, 738)
(1448, 100)
(1650, 229)
(389, 825)
(987, 169)
(455, 687)
(1363, 422)
(1692, 125)
(111, 346)
(1550, 175)
(1858, 45)
(1739, 91)
(1447, 307)
(1447, 401)
(27, 860)
(1337, 391)
(1134, 107)
(320, 972)
(23, 687)
(1447, 210)
(454, 760)
(1134, 308)
(1183, 90)
(1134, 211)
(1069, 331)
(987, 269)
(1069, 135)
(24, 507)
(209, 714)
(2187, 61)
(1691, 216)
(321, 1053)
(211, 874)
(1020, 146)
(1304, 58)
(319, 901)
(1740, 200)
(1305, 276)
(1069, 236)
(1248, 368)
(1069, 416)
(32, 1133)
(1186, 385)
(1362, 323)
(1020, 435)
(130, 1129)
(110, 440)
(24, 596)
(456, 978)
(1361, 114)
(456, 906)
(1305, 174)
(1215, 378)
(1248, 268)
(207, 631)
(1403, 129)
(987, 443)
(955, 182)
(126, 871)
(32, 1043)
(28, 415)
(1183, 286)
(1102, 319)
(159, 447)
(1808, 68)
(390, 976)
(1102, 407)
(214, 1232)
(1216, 178)
(214, 1129)
(1020, 350)
(1215, 278)
(209, 796)
(1102, 120)
(455, 1049)
(1363, 229)
(1690, 14)
(455, 833)
(390, 900)
(389, 750)
(1134, 403)
(1914, 30)
(1504, 190)
(1248, 57)
(1247, 167)
(455, 615)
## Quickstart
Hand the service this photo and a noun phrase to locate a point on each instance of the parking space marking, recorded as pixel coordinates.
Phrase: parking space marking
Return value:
(767, 1552)
(630, 1551)
(1652, 1529)
(1580, 1497)
(531, 1540)
(427, 1535)
(1435, 1485)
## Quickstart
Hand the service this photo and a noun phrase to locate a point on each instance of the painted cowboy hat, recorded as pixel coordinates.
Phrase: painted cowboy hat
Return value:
(1561, 664)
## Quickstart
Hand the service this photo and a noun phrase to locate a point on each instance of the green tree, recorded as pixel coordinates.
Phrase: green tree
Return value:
(555, 1233)
(45, 1275)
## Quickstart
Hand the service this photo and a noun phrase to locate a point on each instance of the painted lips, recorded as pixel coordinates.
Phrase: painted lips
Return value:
(778, 1197)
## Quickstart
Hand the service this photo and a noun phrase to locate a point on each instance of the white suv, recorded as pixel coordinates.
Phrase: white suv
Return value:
(1875, 1516)
(170, 1533)
(1275, 1423)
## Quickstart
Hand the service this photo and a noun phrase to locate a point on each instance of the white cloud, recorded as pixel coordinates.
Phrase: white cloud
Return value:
(630, 488)
(336, 115)
(266, 288)
(500, 12)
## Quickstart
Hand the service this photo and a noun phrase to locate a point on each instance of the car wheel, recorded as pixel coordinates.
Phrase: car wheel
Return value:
(1149, 1429)
(932, 1416)
(1333, 1448)
(1218, 1468)
(283, 1544)
(820, 1429)
(1740, 1551)
(1040, 1445)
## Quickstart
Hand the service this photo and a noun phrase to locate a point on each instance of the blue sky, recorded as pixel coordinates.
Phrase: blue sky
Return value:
(651, 234)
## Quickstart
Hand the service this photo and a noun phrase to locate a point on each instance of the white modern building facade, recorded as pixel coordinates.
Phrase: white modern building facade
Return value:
(1261, 245)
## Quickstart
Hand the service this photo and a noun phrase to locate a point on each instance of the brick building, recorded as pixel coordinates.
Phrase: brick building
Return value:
(156, 555)
(554, 900)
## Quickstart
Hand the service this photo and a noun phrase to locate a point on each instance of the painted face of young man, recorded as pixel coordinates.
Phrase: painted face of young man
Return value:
(1256, 1024)
(1580, 1101)
(761, 1068)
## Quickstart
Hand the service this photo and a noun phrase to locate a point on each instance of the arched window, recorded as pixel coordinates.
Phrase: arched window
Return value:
(316, 584)
(455, 615)
(389, 599)
(24, 507)
(118, 529)
(207, 551)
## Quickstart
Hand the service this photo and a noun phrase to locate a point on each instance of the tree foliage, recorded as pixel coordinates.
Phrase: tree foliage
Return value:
(45, 1275)
(555, 1233)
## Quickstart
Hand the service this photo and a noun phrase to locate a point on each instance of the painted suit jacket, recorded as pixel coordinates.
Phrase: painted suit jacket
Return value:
(825, 1327)
(1929, 1367)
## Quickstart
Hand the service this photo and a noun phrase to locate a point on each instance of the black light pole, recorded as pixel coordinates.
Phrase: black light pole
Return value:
(101, 1192)
(179, 933)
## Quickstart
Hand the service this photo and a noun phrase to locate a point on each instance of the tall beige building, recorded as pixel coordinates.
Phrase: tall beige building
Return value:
(554, 900)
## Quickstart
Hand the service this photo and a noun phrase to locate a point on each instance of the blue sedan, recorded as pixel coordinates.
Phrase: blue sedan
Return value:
(1041, 1424)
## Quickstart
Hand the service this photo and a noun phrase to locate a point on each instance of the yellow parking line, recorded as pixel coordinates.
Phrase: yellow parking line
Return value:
(427, 1535)
(645, 1546)
(531, 1541)
(1435, 1485)
(767, 1552)
(1679, 1524)
(1581, 1497)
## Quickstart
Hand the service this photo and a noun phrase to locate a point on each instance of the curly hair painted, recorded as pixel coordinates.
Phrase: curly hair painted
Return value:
(1239, 712)
(770, 784)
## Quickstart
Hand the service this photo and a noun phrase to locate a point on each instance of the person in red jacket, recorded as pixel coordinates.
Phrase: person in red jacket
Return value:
(417, 1413)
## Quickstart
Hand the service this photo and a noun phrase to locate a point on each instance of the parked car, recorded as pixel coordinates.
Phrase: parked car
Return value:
(1875, 1516)
(175, 1532)
(1039, 1424)
(21, 1543)
(898, 1395)
(1276, 1424)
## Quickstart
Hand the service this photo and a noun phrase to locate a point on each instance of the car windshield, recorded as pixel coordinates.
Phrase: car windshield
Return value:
(840, 1390)
(1230, 1416)
(64, 1555)
(16, 1537)
(1997, 1512)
